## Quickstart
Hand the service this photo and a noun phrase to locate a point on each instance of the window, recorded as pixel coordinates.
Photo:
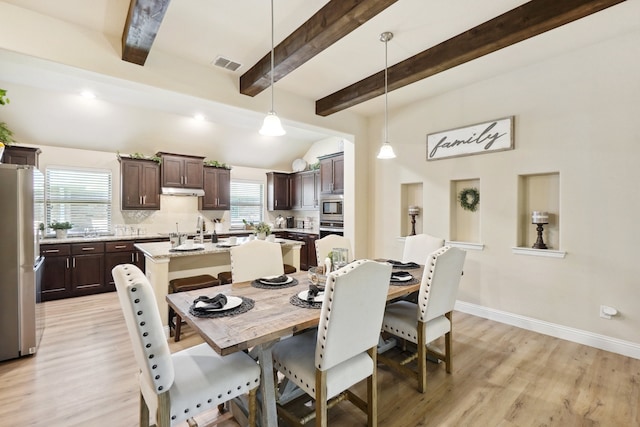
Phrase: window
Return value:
(80, 196)
(247, 202)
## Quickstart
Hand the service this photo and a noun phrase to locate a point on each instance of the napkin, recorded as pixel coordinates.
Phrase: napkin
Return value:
(401, 276)
(313, 292)
(398, 264)
(203, 304)
(279, 279)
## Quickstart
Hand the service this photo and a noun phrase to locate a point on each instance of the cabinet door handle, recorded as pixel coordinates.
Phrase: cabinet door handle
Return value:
(144, 199)
(67, 263)
(137, 257)
(132, 260)
(51, 251)
(89, 249)
(74, 262)
(140, 199)
(120, 246)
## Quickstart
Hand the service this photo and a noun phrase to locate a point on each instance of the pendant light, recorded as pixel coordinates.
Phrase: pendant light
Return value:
(271, 125)
(386, 151)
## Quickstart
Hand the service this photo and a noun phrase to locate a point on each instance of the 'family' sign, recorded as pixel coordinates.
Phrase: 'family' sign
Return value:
(496, 135)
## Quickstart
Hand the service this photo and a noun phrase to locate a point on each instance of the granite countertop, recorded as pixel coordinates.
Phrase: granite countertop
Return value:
(159, 250)
(149, 236)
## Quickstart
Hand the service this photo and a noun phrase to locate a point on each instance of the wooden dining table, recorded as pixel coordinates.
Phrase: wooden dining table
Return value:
(273, 317)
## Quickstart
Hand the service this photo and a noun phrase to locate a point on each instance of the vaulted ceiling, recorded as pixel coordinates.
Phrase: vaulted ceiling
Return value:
(329, 51)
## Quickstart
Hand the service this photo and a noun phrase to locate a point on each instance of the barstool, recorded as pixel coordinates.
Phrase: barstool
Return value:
(185, 284)
(225, 276)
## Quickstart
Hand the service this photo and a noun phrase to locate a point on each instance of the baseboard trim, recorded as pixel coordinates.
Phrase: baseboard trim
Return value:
(625, 348)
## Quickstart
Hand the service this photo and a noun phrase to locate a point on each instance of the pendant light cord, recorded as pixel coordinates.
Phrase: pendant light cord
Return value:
(272, 60)
(386, 104)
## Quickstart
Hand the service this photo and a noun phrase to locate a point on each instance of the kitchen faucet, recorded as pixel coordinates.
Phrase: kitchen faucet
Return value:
(199, 230)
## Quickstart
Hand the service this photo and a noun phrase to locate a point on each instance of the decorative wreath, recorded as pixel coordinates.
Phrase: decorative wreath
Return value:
(469, 199)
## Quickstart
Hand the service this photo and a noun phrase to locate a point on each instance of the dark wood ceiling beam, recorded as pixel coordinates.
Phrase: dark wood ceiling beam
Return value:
(526, 21)
(140, 30)
(334, 21)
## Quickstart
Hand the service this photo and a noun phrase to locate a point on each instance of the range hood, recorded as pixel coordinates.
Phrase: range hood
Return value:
(177, 191)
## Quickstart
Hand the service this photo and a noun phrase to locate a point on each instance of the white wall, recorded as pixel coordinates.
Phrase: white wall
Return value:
(576, 115)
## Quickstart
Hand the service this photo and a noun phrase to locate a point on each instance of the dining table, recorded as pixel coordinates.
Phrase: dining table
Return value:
(273, 315)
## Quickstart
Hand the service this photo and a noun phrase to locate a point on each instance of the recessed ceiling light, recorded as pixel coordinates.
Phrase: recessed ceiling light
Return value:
(87, 94)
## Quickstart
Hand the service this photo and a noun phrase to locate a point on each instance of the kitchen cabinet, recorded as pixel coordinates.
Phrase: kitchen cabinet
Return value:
(308, 250)
(217, 189)
(116, 253)
(72, 270)
(16, 155)
(304, 190)
(139, 184)
(332, 173)
(278, 191)
(181, 171)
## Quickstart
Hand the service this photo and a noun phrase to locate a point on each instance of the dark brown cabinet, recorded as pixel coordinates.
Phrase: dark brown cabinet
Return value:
(278, 191)
(116, 253)
(180, 171)
(16, 155)
(332, 174)
(307, 251)
(139, 184)
(72, 270)
(304, 190)
(217, 189)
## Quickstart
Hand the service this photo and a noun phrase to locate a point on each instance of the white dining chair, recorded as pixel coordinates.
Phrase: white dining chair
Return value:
(255, 259)
(176, 387)
(430, 318)
(418, 247)
(330, 241)
(326, 362)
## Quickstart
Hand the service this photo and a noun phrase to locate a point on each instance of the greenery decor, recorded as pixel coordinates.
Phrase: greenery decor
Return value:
(6, 135)
(55, 225)
(216, 164)
(263, 227)
(140, 156)
(469, 199)
(3, 97)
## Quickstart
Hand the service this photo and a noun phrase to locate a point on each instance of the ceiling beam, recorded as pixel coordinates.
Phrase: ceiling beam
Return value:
(140, 29)
(526, 21)
(335, 20)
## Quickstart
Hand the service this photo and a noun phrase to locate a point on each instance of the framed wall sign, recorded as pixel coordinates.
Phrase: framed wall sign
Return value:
(495, 135)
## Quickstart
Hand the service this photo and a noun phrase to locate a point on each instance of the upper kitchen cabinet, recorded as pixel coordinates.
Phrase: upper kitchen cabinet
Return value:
(180, 171)
(304, 190)
(217, 189)
(332, 173)
(139, 184)
(278, 191)
(20, 155)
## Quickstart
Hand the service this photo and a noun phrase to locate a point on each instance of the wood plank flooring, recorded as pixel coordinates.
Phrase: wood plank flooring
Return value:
(85, 375)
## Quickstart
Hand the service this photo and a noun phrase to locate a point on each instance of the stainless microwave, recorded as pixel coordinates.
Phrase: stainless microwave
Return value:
(331, 209)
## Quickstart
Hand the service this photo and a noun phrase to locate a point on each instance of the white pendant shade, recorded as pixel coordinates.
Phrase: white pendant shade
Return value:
(386, 152)
(272, 126)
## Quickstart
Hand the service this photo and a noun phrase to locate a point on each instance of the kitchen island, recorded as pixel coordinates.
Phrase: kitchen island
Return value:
(163, 264)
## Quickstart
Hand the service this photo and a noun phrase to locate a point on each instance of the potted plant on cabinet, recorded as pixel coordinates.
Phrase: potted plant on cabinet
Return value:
(6, 135)
(61, 228)
(262, 230)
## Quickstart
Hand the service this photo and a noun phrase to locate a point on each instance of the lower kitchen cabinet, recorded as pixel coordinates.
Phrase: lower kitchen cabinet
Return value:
(308, 250)
(116, 253)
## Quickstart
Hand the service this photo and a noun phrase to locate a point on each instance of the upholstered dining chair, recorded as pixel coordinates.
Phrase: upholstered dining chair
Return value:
(326, 362)
(176, 387)
(254, 259)
(330, 241)
(418, 247)
(430, 318)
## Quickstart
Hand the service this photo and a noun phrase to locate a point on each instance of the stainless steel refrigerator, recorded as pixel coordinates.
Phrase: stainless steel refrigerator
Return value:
(21, 310)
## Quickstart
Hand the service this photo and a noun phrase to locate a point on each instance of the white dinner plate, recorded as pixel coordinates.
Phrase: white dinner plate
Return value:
(232, 302)
(299, 165)
(401, 279)
(264, 282)
(303, 296)
(185, 248)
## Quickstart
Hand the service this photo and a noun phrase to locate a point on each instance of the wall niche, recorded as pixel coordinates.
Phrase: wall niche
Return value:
(411, 195)
(539, 192)
(464, 225)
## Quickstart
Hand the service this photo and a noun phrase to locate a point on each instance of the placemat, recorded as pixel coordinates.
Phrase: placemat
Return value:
(298, 302)
(413, 281)
(257, 284)
(247, 304)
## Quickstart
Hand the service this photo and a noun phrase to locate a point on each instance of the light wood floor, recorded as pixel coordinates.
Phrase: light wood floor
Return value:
(84, 375)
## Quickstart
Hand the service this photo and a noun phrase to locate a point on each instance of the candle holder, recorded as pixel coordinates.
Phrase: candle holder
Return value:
(539, 218)
(413, 212)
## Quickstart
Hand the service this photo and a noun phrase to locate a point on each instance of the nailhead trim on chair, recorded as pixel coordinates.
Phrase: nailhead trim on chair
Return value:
(433, 259)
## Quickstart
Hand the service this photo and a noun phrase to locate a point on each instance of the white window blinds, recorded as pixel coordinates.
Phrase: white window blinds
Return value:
(82, 197)
(247, 202)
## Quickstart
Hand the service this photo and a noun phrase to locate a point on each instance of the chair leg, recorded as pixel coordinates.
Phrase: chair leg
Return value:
(252, 407)
(172, 325)
(321, 398)
(163, 417)
(422, 358)
(144, 412)
(372, 391)
(178, 327)
(447, 344)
